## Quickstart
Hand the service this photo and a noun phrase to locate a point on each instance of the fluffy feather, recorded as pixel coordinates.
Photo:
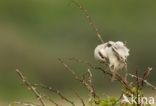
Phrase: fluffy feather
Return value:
(112, 53)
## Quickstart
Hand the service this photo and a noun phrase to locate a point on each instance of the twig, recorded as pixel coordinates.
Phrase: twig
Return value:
(137, 87)
(91, 23)
(82, 101)
(146, 74)
(82, 80)
(23, 103)
(145, 81)
(56, 92)
(89, 85)
(32, 88)
(52, 101)
(90, 76)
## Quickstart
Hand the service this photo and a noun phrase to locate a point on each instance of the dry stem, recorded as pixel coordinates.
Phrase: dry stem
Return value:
(92, 24)
(23, 103)
(145, 81)
(32, 88)
(56, 92)
(87, 84)
(52, 101)
(82, 101)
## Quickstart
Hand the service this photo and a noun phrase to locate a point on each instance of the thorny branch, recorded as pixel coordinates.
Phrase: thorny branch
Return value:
(92, 24)
(32, 88)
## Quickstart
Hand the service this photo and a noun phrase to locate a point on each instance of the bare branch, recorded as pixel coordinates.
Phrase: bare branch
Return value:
(56, 92)
(146, 74)
(90, 76)
(137, 87)
(82, 80)
(32, 88)
(145, 81)
(82, 101)
(23, 104)
(52, 101)
(91, 23)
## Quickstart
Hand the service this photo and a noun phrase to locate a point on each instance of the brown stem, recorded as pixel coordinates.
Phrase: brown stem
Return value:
(56, 92)
(32, 88)
(91, 23)
(82, 101)
(87, 84)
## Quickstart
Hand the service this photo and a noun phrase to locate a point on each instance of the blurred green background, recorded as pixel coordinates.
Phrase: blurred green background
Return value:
(33, 33)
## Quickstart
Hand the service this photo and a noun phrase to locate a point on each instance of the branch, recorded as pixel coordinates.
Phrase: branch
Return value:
(56, 92)
(146, 74)
(91, 23)
(49, 99)
(87, 84)
(32, 88)
(82, 101)
(137, 88)
(145, 81)
(23, 103)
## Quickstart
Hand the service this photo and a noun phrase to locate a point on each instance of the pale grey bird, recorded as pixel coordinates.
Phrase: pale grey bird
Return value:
(114, 54)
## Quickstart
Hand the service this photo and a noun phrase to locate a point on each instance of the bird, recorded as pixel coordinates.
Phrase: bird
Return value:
(113, 54)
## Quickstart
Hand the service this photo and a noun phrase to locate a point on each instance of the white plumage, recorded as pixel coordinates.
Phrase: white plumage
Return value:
(112, 53)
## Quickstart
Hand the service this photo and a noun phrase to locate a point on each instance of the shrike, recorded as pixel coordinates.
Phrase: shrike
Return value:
(114, 54)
